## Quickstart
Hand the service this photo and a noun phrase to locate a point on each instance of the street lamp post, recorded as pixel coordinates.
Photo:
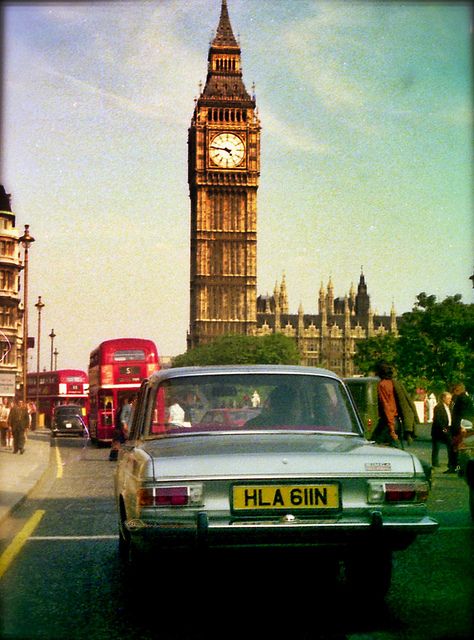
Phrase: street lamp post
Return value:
(25, 241)
(52, 335)
(39, 305)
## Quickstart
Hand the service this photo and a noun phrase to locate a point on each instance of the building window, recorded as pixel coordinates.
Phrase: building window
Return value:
(7, 355)
(6, 280)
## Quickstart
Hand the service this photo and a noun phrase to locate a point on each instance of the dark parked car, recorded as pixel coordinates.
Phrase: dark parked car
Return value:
(364, 393)
(67, 420)
(300, 475)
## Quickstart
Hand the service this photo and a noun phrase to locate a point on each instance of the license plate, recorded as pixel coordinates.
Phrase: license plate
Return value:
(286, 497)
(68, 425)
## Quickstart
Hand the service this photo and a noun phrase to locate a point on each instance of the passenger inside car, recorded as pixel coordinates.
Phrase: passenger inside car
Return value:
(280, 409)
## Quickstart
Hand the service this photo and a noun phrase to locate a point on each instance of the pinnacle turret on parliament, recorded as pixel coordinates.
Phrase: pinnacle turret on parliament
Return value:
(223, 177)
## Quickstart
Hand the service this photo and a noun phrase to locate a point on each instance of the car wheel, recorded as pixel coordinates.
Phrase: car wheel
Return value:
(373, 567)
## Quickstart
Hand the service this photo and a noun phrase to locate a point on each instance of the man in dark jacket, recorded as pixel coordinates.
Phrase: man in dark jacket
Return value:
(19, 421)
(441, 431)
(461, 409)
(406, 411)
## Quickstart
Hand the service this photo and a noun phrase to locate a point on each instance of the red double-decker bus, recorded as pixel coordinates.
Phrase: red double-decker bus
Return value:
(48, 389)
(116, 369)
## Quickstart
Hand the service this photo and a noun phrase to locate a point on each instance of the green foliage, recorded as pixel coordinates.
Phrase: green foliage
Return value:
(435, 347)
(235, 349)
(374, 349)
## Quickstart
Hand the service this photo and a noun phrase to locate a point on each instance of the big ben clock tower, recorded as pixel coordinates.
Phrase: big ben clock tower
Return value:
(224, 166)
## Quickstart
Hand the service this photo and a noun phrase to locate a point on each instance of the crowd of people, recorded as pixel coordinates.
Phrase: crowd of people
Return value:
(398, 417)
(16, 418)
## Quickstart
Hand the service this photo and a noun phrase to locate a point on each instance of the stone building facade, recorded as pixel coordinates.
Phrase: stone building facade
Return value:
(326, 339)
(11, 311)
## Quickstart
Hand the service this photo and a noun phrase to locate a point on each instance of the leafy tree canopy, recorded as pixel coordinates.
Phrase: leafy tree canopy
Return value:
(435, 347)
(234, 349)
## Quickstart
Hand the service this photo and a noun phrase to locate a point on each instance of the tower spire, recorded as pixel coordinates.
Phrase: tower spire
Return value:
(224, 34)
(224, 69)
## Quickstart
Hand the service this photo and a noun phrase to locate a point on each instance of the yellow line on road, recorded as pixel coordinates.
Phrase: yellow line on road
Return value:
(19, 540)
(59, 463)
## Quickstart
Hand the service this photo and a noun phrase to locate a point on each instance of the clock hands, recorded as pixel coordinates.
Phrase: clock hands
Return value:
(229, 151)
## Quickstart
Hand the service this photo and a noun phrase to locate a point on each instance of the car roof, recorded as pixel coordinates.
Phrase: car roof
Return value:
(69, 406)
(179, 372)
(361, 379)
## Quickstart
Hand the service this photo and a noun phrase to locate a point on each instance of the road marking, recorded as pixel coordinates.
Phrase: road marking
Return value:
(59, 462)
(106, 537)
(19, 540)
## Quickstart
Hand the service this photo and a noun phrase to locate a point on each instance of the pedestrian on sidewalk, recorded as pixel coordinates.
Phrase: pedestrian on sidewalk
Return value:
(19, 421)
(4, 429)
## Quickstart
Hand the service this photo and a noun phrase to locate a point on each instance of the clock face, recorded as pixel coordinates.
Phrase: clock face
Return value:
(227, 150)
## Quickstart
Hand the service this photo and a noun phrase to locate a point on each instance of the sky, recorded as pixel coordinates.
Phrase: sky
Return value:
(366, 161)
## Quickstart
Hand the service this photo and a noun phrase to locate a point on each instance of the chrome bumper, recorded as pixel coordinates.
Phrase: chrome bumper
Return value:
(396, 532)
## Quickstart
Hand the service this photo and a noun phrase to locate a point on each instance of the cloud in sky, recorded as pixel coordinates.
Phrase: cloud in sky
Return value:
(366, 121)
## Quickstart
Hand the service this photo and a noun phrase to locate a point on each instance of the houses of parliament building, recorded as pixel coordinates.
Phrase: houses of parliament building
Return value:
(223, 175)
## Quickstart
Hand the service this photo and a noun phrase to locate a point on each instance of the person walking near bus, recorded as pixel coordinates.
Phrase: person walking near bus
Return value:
(441, 430)
(4, 429)
(19, 421)
(123, 422)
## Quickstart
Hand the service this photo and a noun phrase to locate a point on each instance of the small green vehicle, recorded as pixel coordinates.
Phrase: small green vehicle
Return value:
(364, 393)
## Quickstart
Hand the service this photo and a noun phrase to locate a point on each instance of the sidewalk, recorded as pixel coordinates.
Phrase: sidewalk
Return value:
(19, 474)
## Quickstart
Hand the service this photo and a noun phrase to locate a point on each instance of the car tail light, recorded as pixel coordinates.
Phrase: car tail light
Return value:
(170, 496)
(391, 492)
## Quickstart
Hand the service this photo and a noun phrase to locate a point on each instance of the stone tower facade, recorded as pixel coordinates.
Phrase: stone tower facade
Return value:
(223, 173)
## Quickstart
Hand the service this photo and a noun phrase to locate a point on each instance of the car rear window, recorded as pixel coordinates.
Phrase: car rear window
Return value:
(68, 411)
(230, 402)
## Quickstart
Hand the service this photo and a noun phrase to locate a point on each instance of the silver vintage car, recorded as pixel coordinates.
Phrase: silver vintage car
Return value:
(298, 474)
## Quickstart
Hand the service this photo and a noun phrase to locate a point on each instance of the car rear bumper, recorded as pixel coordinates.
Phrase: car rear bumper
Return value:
(202, 533)
(67, 432)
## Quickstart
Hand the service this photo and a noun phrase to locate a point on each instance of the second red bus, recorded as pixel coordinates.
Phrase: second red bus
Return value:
(49, 389)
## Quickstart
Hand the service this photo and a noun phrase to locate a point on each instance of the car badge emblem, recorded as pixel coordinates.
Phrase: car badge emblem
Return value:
(289, 517)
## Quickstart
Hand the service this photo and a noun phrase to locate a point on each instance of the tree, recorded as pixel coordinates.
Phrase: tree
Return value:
(437, 342)
(370, 351)
(238, 349)
(435, 347)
